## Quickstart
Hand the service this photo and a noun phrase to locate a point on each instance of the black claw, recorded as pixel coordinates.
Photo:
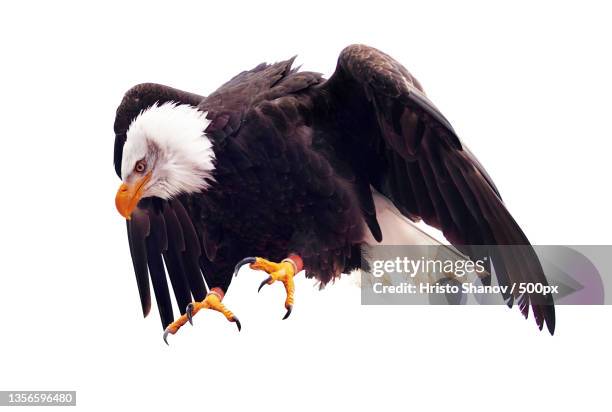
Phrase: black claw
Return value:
(289, 309)
(166, 332)
(189, 313)
(242, 263)
(238, 325)
(265, 282)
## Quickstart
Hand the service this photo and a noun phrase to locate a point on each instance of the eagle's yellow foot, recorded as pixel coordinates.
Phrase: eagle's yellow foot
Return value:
(212, 301)
(283, 272)
(174, 327)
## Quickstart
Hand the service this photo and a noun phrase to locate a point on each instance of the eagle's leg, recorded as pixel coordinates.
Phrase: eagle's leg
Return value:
(283, 272)
(213, 300)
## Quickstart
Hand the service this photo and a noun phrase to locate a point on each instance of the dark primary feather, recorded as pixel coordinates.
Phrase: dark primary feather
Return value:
(157, 244)
(296, 158)
(138, 230)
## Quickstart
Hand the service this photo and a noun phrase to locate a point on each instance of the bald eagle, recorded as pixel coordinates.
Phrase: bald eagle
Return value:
(287, 171)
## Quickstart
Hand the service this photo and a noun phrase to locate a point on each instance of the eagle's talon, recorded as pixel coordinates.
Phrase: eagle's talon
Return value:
(166, 332)
(174, 327)
(237, 321)
(211, 301)
(282, 272)
(189, 313)
(264, 282)
(243, 262)
(289, 309)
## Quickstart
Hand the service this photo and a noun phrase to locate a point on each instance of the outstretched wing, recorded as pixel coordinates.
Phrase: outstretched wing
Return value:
(413, 156)
(160, 233)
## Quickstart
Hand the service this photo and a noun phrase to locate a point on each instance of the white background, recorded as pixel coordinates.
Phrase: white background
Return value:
(527, 86)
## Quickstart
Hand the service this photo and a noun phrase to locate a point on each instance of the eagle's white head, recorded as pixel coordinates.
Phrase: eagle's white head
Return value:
(166, 153)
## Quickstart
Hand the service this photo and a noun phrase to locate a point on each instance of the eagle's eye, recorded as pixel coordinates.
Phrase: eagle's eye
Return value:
(140, 166)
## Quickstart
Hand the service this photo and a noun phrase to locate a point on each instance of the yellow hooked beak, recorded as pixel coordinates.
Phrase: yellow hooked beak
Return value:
(128, 196)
